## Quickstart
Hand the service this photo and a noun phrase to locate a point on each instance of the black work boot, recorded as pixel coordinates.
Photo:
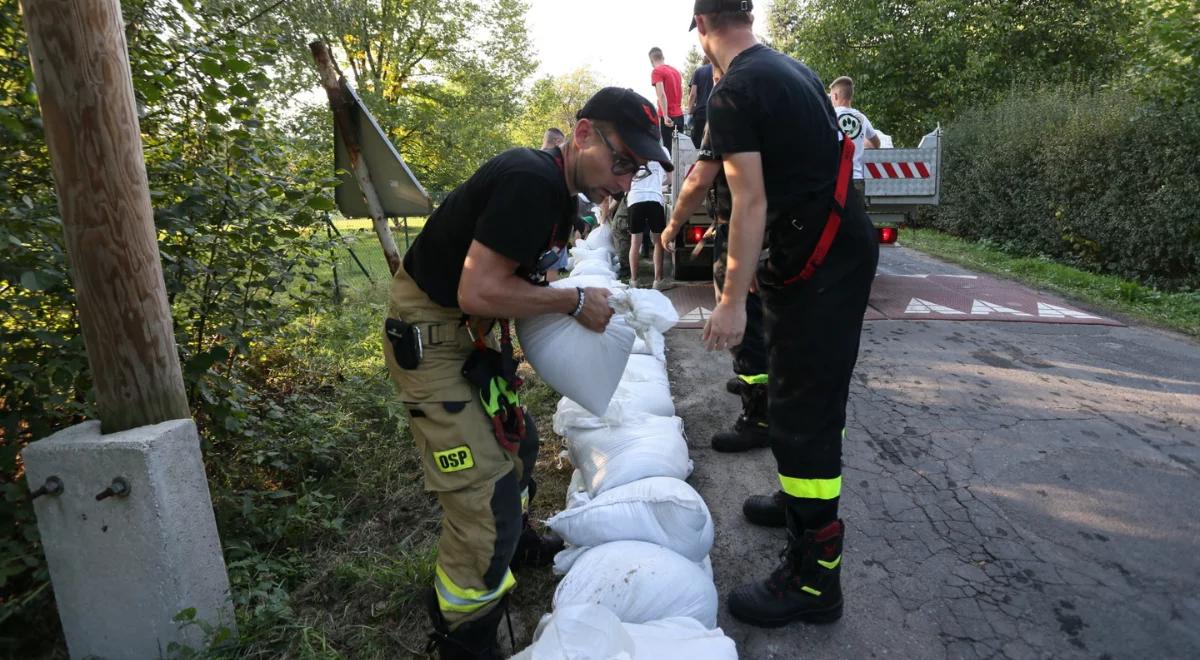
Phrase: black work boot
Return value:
(472, 640)
(734, 385)
(750, 429)
(766, 510)
(806, 587)
(534, 549)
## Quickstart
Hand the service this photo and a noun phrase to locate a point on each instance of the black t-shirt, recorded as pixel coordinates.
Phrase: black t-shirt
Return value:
(720, 200)
(516, 204)
(702, 80)
(769, 103)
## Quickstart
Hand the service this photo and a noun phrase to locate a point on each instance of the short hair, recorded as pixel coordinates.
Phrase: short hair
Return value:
(554, 132)
(723, 19)
(656, 53)
(844, 86)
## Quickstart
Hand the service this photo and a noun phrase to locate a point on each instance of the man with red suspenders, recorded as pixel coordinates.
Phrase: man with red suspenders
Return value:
(790, 183)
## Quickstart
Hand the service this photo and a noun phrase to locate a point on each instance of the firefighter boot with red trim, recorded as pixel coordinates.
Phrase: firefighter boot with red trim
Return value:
(766, 510)
(750, 429)
(806, 586)
(533, 549)
(472, 640)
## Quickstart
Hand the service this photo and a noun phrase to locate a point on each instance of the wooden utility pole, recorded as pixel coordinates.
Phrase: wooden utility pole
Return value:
(339, 104)
(85, 88)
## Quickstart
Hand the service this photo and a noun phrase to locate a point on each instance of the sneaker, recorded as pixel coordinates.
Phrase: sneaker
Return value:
(664, 284)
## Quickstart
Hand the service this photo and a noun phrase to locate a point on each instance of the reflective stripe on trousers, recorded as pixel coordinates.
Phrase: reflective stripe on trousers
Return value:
(452, 598)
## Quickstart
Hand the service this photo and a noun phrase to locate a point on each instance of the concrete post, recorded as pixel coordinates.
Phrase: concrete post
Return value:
(125, 566)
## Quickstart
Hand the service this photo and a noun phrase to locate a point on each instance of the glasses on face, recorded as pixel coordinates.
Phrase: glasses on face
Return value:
(622, 165)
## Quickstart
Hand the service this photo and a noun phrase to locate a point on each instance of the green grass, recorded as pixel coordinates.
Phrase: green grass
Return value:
(330, 538)
(1120, 297)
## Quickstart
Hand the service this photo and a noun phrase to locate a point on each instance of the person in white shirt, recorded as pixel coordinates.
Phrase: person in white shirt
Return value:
(853, 123)
(646, 210)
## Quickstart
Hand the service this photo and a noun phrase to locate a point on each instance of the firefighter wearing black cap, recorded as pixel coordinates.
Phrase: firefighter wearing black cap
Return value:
(789, 173)
(479, 261)
(706, 182)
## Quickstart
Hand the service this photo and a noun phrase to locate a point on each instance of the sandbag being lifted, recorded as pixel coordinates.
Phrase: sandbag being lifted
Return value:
(557, 346)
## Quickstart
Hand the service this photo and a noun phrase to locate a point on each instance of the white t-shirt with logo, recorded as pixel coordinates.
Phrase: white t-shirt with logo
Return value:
(857, 127)
(648, 189)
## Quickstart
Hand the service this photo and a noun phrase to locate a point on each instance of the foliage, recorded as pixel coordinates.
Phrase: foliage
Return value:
(442, 76)
(1095, 179)
(694, 58)
(1167, 51)
(235, 199)
(553, 102)
(920, 62)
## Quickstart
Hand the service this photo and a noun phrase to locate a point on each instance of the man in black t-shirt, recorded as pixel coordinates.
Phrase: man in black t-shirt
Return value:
(483, 256)
(699, 91)
(775, 129)
(750, 355)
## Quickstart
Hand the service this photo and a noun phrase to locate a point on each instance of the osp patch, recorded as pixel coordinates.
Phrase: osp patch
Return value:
(454, 460)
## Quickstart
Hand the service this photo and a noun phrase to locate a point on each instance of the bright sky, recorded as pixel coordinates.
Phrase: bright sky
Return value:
(614, 37)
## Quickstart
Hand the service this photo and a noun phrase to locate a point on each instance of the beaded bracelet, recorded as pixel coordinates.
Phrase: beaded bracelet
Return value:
(579, 305)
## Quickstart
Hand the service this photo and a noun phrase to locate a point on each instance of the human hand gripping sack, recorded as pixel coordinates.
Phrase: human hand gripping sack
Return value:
(596, 311)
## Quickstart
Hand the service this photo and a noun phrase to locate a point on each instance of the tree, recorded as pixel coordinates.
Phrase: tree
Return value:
(920, 62)
(553, 102)
(690, 65)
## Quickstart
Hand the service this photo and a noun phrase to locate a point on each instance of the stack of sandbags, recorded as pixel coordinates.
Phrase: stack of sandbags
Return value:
(638, 536)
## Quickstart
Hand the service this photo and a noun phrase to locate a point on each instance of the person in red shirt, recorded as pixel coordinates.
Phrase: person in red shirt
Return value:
(668, 84)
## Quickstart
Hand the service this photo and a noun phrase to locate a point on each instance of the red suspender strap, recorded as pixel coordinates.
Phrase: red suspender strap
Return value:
(845, 170)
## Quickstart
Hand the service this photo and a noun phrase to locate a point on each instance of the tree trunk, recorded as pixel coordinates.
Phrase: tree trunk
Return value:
(85, 88)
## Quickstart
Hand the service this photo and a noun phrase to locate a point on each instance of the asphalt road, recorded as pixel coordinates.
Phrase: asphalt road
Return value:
(1011, 489)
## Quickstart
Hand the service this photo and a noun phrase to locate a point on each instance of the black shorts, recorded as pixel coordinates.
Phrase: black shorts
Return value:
(647, 214)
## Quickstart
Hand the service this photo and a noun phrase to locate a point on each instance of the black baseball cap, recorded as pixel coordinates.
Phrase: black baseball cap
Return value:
(714, 6)
(635, 119)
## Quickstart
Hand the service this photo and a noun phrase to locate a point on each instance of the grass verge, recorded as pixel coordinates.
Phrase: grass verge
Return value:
(1174, 311)
(329, 536)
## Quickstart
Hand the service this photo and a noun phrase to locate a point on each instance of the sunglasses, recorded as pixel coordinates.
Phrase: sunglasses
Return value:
(622, 165)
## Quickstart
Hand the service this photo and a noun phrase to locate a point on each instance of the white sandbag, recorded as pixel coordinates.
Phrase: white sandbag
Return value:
(577, 490)
(593, 632)
(652, 343)
(680, 637)
(629, 401)
(611, 456)
(645, 309)
(583, 253)
(550, 339)
(600, 237)
(639, 582)
(645, 369)
(658, 510)
(585, 281)
(564, 559)
(593, 267)
(579, 632)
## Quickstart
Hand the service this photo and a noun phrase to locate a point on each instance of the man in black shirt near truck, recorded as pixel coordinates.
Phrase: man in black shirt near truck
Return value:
(776, 132)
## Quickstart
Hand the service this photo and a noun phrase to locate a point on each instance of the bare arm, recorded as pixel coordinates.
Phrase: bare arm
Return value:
(692, 99)
(691, 193)
(747, 224)
(662, 103)
(873, 143)
(490, 288)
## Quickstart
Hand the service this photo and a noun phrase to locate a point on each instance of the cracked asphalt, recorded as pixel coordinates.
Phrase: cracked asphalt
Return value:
(1011, 490)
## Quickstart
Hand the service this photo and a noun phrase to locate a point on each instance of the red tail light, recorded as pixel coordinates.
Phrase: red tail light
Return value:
(888, 235)
(695, 235)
